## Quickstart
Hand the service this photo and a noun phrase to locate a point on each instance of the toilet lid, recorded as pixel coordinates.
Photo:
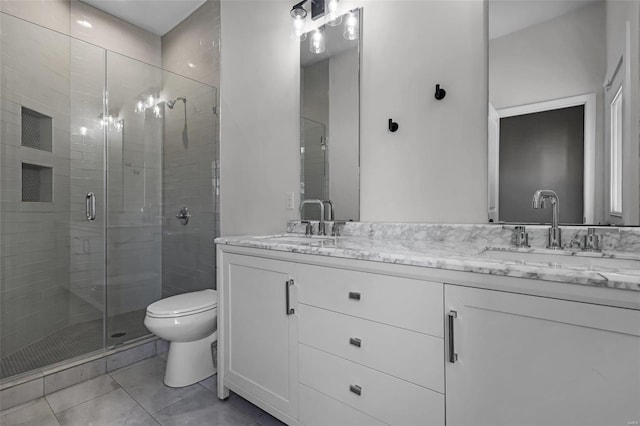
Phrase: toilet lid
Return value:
(184, 304)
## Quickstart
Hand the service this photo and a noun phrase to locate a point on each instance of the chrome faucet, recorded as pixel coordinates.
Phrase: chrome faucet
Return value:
(330, 211)
(539, 198)
(321, 204)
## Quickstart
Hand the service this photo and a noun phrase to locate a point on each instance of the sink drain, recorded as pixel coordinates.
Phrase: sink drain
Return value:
(115, 335)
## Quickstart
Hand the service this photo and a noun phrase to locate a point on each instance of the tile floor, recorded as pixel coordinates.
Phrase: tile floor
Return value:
(135, 395)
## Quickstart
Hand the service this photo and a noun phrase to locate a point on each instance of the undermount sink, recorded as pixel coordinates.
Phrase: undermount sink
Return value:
(562, 258)
(303, 240)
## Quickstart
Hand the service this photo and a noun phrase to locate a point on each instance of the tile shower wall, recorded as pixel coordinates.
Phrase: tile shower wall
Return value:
(86, 269)
(134, 180)
(35, 235)
(52, 258)
(190, 168)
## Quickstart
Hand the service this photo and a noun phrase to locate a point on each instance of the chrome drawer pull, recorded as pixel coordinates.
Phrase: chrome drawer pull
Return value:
(453, 356)
(354, 295)
(287, 285)
(356, 389)
(355, 341)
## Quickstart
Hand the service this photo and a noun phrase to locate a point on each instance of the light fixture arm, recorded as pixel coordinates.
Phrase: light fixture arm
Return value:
(299, 12)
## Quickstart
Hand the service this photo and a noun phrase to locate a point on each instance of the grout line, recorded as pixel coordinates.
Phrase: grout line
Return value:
(138, 404)
(51, 408)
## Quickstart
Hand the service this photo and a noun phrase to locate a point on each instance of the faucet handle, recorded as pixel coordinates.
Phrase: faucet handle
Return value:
(308, 229)
(335, 228)
(591, 240)
(521, 236)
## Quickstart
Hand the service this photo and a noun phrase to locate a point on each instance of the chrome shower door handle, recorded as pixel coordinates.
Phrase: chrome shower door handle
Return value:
(90, 206)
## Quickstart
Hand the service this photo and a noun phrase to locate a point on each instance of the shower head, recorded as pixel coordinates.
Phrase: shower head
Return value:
(172, 102)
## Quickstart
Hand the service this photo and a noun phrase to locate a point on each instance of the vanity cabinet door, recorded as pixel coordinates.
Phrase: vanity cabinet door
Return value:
(526, 360)
(259, 333)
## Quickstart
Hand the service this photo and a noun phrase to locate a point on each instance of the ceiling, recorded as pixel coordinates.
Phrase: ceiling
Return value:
(156, 16)
(508, 16)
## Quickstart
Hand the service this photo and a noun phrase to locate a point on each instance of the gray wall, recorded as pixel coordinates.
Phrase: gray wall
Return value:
(344, 135)
(315, 105)
(544, 150)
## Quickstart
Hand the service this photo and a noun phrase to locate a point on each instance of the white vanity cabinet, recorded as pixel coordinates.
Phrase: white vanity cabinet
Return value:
(258, 336)
(371, 348)
(527, 360)
(373, 344)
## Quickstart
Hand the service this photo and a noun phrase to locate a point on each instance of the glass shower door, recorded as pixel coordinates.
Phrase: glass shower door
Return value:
(51, 157)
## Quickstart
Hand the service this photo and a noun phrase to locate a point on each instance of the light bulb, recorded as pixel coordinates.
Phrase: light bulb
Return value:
(332, 13)
(298, 29)
(351, 27)
(317, 42)
(83, 131)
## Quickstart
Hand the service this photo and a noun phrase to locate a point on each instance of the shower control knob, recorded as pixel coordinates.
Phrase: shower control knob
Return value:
(183, 216)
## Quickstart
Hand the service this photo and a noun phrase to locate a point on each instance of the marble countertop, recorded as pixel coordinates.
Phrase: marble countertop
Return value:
(619, 270)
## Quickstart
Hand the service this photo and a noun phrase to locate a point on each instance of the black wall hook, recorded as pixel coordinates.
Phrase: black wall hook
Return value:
(393, 126)
(440, 93)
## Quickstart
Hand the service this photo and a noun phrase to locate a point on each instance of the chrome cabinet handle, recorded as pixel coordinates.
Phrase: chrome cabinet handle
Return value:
(287, 285)
(90, 206)
(354, 295)
(355, 389)
(355, 341)
(453, 356)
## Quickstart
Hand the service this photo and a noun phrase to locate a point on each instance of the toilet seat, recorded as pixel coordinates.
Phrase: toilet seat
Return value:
(184, 304)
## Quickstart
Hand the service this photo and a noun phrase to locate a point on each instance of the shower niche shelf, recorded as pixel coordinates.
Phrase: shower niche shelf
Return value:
(37, 183)
(37, 130)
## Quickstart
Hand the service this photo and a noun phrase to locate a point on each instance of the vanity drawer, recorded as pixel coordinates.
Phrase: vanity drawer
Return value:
(317, 409)
(409, 355)
(387, 398)
(403, 302)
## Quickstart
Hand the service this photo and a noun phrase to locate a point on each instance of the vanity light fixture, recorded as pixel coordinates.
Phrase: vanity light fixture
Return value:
(335, 18)
(298, 14)
(351, 25)
(298, 11)
(317, 43)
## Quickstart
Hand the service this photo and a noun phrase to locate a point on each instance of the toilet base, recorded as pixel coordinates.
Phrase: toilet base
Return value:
(189, 362)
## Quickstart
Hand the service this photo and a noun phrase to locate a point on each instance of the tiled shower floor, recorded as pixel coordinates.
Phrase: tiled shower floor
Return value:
(73, 341)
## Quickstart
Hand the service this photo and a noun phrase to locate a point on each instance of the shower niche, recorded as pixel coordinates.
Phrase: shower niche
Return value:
(37, 130)
(37, 183)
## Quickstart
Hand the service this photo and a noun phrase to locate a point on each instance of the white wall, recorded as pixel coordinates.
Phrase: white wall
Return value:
(259, 115)
(618, 14)
(432, 170)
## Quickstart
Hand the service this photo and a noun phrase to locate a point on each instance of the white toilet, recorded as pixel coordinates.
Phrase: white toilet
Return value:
(189, 322)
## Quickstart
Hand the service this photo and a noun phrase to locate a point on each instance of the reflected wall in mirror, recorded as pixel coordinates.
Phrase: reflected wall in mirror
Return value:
(330, 117)
(563, 110)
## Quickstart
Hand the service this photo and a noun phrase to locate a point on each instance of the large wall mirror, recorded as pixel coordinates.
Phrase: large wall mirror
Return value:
(330, 117)
(563, 114)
